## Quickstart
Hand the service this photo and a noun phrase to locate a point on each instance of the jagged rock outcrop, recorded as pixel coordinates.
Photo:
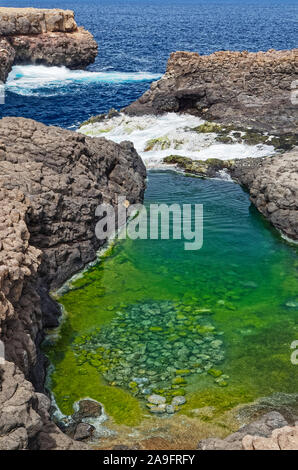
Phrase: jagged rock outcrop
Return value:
(37, 36)
(240, 88)
(273, 186)
(270, 432)
(51, 181)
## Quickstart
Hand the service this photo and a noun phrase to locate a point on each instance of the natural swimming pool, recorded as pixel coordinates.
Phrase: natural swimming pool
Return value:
(213, 325)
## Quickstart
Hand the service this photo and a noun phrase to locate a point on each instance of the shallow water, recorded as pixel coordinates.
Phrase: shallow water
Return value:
(233, 291)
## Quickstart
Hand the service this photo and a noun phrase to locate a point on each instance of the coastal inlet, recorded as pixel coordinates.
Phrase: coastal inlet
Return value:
(152, 329)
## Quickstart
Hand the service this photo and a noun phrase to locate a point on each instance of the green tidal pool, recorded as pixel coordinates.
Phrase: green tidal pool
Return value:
(213, 325)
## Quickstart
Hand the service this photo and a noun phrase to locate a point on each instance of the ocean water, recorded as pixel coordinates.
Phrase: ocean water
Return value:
(149, 309)
(137, 36)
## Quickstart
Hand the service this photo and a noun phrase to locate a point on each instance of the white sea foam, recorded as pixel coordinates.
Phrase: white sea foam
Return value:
(30, 79)
(175, 135)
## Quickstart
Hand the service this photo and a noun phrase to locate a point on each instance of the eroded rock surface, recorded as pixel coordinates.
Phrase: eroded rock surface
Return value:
(38, 36)
(51, 181)
(271, 181)
(239, 88)
(273, 186)
(66, 175)
(270, 432)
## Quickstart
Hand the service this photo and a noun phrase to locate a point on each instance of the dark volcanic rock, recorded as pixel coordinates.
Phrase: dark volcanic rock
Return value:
(66, 175)
(273, 186)
(87, 409)
(240, 88)
(271, 181)
(51, 181)
(74, 50)
(7, 56)
(83, 431)
(50, 37)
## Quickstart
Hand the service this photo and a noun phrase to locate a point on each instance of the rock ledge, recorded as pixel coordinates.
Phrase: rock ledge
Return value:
(49, 37)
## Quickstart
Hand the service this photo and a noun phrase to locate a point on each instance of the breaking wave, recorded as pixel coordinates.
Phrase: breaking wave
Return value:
(156, 137)
(31, 80)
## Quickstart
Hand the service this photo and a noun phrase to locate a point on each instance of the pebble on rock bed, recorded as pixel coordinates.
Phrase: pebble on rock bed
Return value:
(150, 348)
(156, 399)
(177, 401)
(158, 408)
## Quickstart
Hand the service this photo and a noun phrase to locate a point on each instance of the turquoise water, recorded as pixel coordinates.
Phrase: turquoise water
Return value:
(214, 325)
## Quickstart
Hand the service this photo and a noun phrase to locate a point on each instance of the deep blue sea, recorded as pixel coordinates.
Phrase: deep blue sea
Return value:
(137, 36)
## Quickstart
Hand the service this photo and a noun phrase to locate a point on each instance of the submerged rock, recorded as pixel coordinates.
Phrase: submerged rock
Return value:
(292, 303)
(156, 399)
(158, 408)
(179, 400)
(152, 348)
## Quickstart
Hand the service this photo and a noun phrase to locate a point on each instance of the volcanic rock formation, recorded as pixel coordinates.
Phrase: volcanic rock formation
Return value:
(49, 37)
(240, 88)
(271, 181)
(51, 181)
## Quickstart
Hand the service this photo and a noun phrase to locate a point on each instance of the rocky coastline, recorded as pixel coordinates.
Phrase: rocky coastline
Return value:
(272, 183)
(51, 183)
(240, 88)
(48, 37)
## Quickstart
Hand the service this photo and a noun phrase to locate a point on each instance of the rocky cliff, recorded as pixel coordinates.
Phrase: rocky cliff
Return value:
(273, 187)
(51, 181)
(50, 37)
(240, 88)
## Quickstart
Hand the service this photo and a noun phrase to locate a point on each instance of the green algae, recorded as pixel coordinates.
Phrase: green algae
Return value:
(71, 382)
(242, 280)
(161, 143)
(229, 134)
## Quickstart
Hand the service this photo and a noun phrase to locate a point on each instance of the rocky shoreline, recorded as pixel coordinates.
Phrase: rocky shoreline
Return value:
(272, 183)
(51, 183)
(48, 37)
(240, 88)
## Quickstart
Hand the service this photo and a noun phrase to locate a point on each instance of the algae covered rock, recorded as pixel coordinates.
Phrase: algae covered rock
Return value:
(156, 399)
(179, 400)
(209, 168)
